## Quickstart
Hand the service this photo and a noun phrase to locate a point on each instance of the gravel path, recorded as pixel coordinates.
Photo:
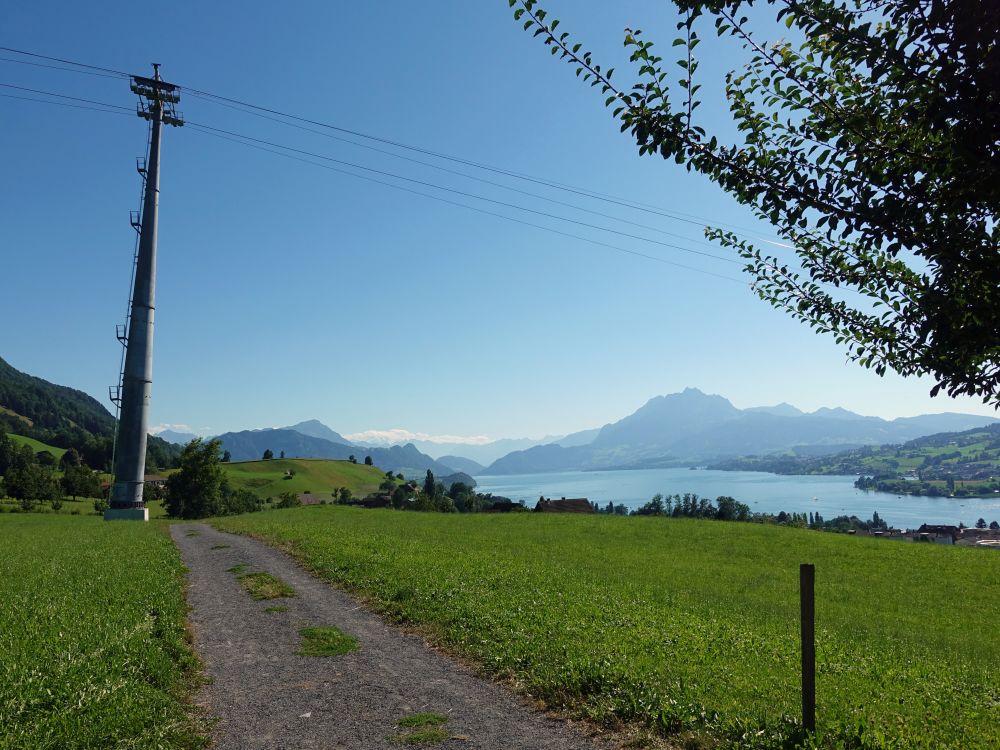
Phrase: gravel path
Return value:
(267, 696)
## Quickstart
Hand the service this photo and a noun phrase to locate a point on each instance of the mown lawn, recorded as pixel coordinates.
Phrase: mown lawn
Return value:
(682, 625)
(92, 642)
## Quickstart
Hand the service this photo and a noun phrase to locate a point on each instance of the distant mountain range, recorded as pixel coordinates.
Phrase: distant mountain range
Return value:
(692, 427)
(250, 445)
(313, 439)
(680, 429)
(177, 438)
(484, 454)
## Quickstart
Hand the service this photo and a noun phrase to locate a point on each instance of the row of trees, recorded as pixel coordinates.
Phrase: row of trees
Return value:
(726, 508)
(268, 455)
(894, 485)
(690, 505)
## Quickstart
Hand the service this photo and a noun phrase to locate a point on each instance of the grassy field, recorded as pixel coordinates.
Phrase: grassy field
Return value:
(685, 626)
(78, 507)
(319, 476)
(37, 445)
(92, 646)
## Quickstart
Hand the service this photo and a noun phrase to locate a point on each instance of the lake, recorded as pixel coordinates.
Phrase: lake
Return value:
(765, 493)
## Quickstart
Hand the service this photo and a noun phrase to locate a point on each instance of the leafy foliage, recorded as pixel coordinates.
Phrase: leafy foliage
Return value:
(200, 488)
(80, 481)
(25, 478)
(288, 500)
(872, 147)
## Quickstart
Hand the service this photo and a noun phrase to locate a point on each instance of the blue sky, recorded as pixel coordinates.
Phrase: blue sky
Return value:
(287, 291)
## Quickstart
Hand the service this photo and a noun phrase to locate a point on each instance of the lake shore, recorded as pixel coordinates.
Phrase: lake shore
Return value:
(763, 492)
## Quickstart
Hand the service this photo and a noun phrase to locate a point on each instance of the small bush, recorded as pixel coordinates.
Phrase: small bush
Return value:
(288, 500)
(240, 501)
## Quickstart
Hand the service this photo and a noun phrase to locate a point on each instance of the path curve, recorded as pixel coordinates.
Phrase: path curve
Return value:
(267, 696)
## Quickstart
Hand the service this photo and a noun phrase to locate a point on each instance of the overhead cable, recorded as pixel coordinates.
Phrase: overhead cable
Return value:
(256, 108)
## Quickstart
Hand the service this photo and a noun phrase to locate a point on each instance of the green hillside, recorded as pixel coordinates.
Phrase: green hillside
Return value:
(318, 476)
(37, 445)
(948, 463)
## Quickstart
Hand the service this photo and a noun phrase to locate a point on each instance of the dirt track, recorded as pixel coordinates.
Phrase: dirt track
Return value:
(267, 696)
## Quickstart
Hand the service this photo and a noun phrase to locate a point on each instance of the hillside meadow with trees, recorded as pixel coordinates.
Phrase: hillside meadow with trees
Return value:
(36, 479)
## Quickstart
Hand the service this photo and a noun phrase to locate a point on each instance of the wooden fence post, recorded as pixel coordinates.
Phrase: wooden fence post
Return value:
(807, 605)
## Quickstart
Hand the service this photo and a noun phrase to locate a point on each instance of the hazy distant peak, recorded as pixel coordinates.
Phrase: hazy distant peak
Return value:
(176, 437)
(675, 413)
(692, 397)
(836, 412)
(315, 428)
(311, 424)
(784, 409)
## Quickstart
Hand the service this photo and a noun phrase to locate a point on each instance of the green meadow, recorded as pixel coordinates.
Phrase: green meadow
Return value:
(687, 628)
(37, 445)
(318, 476)
(92, 638)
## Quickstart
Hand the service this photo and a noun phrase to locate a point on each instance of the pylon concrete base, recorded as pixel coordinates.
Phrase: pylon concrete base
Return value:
(126, 514)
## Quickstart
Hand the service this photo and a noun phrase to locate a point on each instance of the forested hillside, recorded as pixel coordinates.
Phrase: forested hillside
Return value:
(66, 418)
